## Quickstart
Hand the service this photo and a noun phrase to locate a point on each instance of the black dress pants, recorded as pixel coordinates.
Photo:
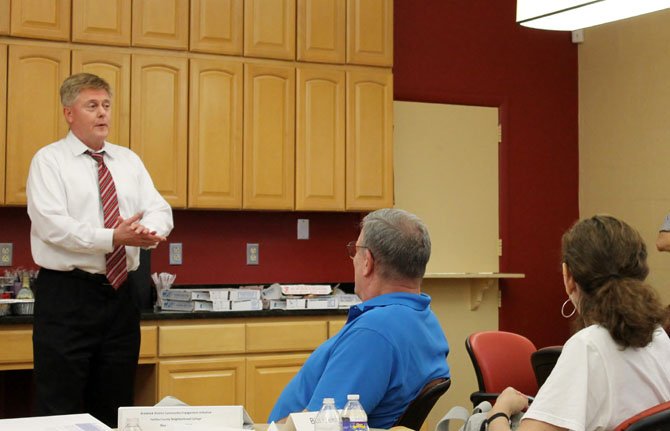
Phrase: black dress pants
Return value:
(86, 340)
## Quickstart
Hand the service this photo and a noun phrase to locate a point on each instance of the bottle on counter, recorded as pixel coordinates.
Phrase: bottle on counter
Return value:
(354, 417)
(328, 418)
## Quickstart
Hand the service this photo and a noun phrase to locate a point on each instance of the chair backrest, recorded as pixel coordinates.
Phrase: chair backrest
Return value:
(656, 418)
(543, 361)
(502, 359)
(417, 411)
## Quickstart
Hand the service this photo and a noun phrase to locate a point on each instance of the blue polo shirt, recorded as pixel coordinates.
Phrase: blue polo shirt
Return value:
(390, 347)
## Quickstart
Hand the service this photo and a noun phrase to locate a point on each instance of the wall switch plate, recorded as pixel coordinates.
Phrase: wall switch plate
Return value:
(6, 254)
(252, 254)
(303, 228)
(176, 253)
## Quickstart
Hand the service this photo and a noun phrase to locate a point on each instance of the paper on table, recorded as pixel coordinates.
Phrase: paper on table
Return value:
(77, 422)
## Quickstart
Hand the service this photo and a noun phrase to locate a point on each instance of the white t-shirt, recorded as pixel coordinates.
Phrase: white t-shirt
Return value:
(596, 385)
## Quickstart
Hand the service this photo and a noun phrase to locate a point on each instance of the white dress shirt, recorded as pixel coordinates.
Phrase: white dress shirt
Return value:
(67, 230)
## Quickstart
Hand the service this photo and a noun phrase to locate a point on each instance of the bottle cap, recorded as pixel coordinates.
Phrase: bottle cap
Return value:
(353, 397)
(329, 400)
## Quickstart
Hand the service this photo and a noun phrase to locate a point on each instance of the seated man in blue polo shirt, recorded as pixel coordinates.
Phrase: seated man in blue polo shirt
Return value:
(392, 343)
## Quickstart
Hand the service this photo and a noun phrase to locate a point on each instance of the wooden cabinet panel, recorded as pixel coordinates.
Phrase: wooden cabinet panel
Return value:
(266, 378)
(215, 134)
(269, 137)
(203, 382)
(35, 74)
(17, 348)
(105, 22)
(285, 336)
(320, 138)
(269, 29)
(192, 340)
(321, 30)
(216, 26)
(369, 181)
(3, 117)
(4, 16)
(42, 19)
(158, 121)
(149, 343)
(160, 23)
(334, 326)
(370, 32)
(114, 68)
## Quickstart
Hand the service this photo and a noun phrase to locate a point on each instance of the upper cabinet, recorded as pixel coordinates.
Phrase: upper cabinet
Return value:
(215, 134)
(160, 23)
(370, 32)
(114, 68)
(158, 121)
(369, 139)
(3, 118)
(35, 76)
(269, 136)
(216, 26)
(104, 22)
(321, 30)
(42, 19)
(269, 29)
(4, 16)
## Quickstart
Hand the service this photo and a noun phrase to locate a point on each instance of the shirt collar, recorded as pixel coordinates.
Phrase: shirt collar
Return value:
(417, 302)
(78, 148)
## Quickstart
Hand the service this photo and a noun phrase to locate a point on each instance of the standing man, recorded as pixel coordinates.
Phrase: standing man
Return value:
(92, 205)
(392, 343)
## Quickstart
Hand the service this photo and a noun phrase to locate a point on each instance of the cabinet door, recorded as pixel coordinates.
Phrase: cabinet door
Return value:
(216, 26)
(267, 376)
(320, 134)
(159, 92)
(321, 30)
(370, 32)
(3, 117)
(203, 382)
(160, 23)
(114, 68)
(42, 19)
(4, 16)
(104, 22)
(35, 76)
(369, 160)
(269, 135)
(269, 29)
(215, 134)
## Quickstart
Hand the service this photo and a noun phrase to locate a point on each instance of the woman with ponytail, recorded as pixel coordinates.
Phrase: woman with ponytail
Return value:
(619, 363)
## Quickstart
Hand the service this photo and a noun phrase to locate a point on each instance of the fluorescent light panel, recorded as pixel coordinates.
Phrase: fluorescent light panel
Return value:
(576, 14)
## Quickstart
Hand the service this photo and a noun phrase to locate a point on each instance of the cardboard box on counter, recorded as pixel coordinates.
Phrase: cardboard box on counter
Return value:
(296, 303)
(306, 289)
(322, 303)
(251, 305)
(185, 294)
(186, 306)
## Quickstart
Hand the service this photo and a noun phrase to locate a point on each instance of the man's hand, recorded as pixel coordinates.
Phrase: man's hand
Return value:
(130, 232)
(663, 241)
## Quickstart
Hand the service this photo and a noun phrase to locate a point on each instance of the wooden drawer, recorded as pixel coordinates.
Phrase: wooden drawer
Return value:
(334, 326)
(17, 347)
(194, 340)
(149, 344)
(285, 336)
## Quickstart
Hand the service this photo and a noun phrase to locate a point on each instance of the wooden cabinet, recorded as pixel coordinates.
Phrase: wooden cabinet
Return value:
(216, 26)
(42, 19)
(320, 139)
(215, 134)
(158, 121)
(369, 154)
(35, 74)
(160, 23)
(104, 22)
(321, 30)
(269, 29)
(269, 134)
(4, 16)
(17, 348)
(3, 117)
(114, 68)
(370, 32)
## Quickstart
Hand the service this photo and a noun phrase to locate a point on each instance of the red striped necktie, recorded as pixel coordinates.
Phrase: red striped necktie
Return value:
(117, 271)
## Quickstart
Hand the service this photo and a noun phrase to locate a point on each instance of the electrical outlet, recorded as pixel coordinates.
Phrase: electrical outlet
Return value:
(176, 252)
(303, 228)
(252, 254)
(6, 254)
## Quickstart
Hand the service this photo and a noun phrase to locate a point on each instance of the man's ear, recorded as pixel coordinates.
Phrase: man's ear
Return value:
(369, 263)
(67, 113)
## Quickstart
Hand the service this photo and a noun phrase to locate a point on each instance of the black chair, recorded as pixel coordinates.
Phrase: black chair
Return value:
(656, 418)
(543, 361)
(417, 411)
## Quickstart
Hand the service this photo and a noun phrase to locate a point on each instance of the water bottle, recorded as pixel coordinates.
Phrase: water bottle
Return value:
(328, 418)
(354, 417)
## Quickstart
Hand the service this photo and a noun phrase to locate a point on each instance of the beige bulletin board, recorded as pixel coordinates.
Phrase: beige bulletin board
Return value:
(446, 172)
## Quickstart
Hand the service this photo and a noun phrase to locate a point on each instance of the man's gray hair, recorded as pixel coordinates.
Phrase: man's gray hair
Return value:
(74, 84)
(398, 241)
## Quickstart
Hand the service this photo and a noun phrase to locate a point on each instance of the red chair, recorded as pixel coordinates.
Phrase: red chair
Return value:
(500, 359)
(655, 418)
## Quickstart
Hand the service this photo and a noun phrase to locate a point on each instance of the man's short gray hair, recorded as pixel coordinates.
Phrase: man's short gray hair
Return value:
(74, 84)
(398, 241)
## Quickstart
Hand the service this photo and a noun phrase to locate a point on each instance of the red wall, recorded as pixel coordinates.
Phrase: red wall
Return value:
(471, 52)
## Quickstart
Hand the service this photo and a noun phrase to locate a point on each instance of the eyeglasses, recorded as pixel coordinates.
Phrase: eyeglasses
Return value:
(352, 248)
